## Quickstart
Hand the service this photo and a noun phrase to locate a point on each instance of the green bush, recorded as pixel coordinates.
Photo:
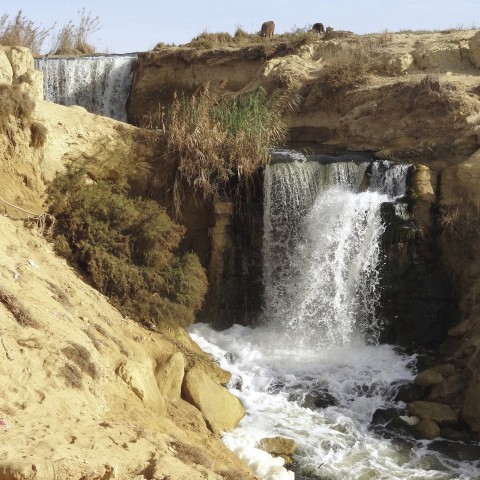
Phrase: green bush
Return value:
(128, 248)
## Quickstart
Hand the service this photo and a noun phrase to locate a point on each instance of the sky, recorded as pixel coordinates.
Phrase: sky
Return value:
(139, 25)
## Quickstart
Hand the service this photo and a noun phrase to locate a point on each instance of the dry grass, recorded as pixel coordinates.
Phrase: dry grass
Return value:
(16, 109)
(16, 307)
(461, 221)
(38, 135)
(22, 32)
(79, 355)
(434, 95)
(233, 475)
(191, 454)
(72, 39)
(72, 375)
(292, 40)
(215, 145)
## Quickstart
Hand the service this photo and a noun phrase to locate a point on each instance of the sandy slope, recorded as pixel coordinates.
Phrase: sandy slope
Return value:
(67, 413)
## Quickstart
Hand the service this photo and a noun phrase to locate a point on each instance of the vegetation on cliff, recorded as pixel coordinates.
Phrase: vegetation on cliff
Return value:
(16, 110)
(70, 39)
(127, 245)
(214, 145)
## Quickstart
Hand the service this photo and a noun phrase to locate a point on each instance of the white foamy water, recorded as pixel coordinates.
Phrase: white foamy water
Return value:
(313, 371)
(99, 84)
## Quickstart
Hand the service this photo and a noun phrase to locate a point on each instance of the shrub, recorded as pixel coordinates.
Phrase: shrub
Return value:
(72, 39)
(22, 32)
(215, 145)
(16, 109)
(127, 246)
(38, 135)
(347, 70)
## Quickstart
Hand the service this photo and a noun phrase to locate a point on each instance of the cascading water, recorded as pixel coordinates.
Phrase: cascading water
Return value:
(312, 371)
(99, 84)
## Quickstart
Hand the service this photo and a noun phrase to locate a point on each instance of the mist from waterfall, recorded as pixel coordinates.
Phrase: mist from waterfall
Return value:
(100, 84)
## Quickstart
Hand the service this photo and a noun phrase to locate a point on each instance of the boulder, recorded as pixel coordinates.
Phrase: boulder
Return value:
(279, 446)
(21, 60)
(399, 63)
(428, 429)
(222, 410)
(474, 46)
(32, 83)
(6, 72)
(142, 382)
(170, 375)
(441, 58)
(428, 378)
(439, 412)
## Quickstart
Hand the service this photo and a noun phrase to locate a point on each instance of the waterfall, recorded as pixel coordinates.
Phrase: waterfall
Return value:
(99, 84)
(312, 370)
(321, 247)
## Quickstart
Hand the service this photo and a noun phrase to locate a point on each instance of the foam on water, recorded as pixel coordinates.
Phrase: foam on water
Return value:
(333, 442)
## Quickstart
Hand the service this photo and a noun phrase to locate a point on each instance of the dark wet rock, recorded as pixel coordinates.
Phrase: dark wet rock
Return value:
(428, 429)
(450, 433)
(463, 452)
(409, 393)
(319, 398)
(383, 416)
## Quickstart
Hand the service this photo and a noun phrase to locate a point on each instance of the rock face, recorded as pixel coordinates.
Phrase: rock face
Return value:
(17, 67)
(222, 410)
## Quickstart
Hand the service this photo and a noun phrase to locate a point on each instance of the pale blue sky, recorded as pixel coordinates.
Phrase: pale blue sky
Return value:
(139, 25)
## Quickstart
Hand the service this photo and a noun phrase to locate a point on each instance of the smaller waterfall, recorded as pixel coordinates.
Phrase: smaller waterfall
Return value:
(99, 84)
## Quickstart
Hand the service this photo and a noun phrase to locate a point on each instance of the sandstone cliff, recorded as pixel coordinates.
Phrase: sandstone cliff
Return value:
(408, 96)
(88, 393)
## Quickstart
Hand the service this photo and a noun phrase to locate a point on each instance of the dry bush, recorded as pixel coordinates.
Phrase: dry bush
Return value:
(191, 454)
(79, 355)
(16, 109)
(22, 32)
(72, 39)
(462, 220)
(17, 309)
(38, 135)
(430, 93)
(72, 375)
(346, 70)
(208, 41)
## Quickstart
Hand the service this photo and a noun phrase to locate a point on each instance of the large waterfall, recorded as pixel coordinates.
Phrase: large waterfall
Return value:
(313, 370)
(101, 84)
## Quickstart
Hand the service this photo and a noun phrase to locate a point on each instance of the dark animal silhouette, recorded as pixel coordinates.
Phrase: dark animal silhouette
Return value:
(267, 29)
(318, 27)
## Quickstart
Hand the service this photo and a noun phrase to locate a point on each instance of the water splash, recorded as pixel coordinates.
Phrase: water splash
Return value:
(99, 84)
(321, 248)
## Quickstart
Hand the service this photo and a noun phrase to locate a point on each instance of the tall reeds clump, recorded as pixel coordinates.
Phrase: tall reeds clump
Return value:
(215, 145)
(19, 31)
(127, 246)
(72, 39)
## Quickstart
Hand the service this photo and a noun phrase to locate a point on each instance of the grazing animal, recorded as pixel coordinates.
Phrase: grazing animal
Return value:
(318, 27)
(267, 29)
